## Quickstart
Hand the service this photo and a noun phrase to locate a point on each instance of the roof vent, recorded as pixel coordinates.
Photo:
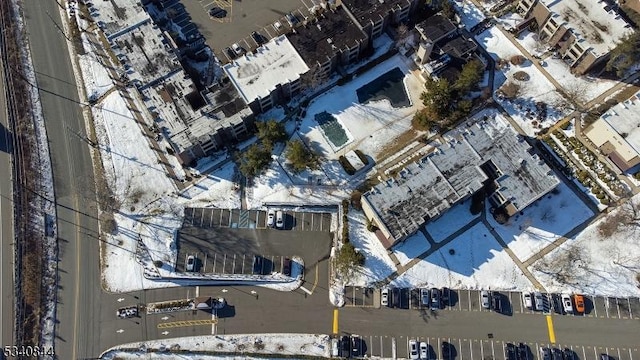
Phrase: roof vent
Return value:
(330, 41)
(381, 1)
(319, 27)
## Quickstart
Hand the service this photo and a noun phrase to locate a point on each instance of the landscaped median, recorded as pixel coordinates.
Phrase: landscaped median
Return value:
(299, 346)
(275, 280)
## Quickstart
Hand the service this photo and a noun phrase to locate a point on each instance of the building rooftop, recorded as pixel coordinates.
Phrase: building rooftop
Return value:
(435, 28)
(592, 20)
(454, 170)
(364, 10)
(621, 127)
(321, 38)
(144, 52)
(256, 75)
(116, 16)
(459, 46)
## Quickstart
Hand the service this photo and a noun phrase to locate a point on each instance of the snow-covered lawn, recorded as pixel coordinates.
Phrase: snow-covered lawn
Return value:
(415, 245)
(217, 189)
(592, 264)
(537, 89)
(478, 262)
(585, 87)
(368, 126)
(310, 345)
(469, 13)
(452, 220)
(378, 264)
(542, 222)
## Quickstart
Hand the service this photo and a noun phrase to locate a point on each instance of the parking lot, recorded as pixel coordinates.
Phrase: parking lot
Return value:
(255, 219)
(227, 241)
(242, 18)
(481, 349)
(469, 300)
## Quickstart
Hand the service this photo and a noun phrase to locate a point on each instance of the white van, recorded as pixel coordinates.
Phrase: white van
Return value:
(566, 304)
(335, 351)
(271, 218)
(279, 219)
(526, 298)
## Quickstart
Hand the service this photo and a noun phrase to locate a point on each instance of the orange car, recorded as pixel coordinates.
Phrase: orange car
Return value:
(578, 300)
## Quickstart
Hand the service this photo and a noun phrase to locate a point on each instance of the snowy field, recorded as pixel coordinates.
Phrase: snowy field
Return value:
(542, 222)
(451, 221)
(378, 264)
(587, 88)
(412, 247)
(478, 262)
(310, 345)
(536, 89)
(368, 126)
(592, 264)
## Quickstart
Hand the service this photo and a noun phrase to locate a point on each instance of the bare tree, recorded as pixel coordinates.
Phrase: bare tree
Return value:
(626, 217)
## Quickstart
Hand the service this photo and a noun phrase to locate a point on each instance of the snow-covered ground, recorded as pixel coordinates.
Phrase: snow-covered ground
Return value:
(95, 76)
(592, 264)
(378, 264)
(469, 13)
(369, 126)
(473, 260)
(454, 219)
(409, 249)
(585, 88)
(537, 89)
(310, 345)
(542, 222)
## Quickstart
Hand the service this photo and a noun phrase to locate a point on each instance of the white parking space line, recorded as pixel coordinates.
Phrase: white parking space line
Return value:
(234, 264)
(619, 358)
(595, 308)
(202, 218)
(437, 349)
(606, 306)
(536, 351)
(381, 348)
(584, 354)
(618, 308)
(504, 355)
(470, 349)
(321, 222)
(211, 219)
(224, 263)
(630, 356)
(243, 256)
(595, 353)
(459, 302)
(303, 214)
(312, 221)
(481, 349)
(460, 347)
(469, 296)
(480, 301)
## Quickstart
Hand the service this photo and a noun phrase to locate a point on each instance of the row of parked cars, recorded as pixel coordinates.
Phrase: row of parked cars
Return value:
(561, 303)
(433, 298)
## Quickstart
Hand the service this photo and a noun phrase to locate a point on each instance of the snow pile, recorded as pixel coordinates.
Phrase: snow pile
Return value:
(473, 260)
(378, 265)
(592, 264)
(312, 345)
(94, 74)
(543, 222)
(469, 13)
(536, 89)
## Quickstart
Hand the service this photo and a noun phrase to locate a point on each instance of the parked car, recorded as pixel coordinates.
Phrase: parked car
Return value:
(257, 264)
(279, 219)
(355, 345)
(237, 49)
(291, 19)
(567, 306)
(578, 300)
(191, 263)
(556, 354)
(286, 266)
(526, 298)
(271, 218)
(395, 297)
(496, 302)
(545, 353)
(435, 299)
(509, 351)
(230, 53)
(424, 350)
(523, 351)
(538, 301)
(345, 346)
(557, 303)
(568, 354)
(335, 347)
(384, 297)
(445, 295)
(413, 349)
(446, 350)
(217, 12)
(424, 297)
(257, 37)
(484, 296)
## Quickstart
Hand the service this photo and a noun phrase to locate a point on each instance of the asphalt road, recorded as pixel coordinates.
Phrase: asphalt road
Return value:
(79, 280)
(6, 227)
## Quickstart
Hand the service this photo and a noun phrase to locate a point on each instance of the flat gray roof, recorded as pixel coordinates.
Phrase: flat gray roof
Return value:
(429, 187)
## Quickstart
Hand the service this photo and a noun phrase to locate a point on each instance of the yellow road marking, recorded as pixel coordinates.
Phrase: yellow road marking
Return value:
(316, 280)
(552, 334)
(187, 323)
(335, 321)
